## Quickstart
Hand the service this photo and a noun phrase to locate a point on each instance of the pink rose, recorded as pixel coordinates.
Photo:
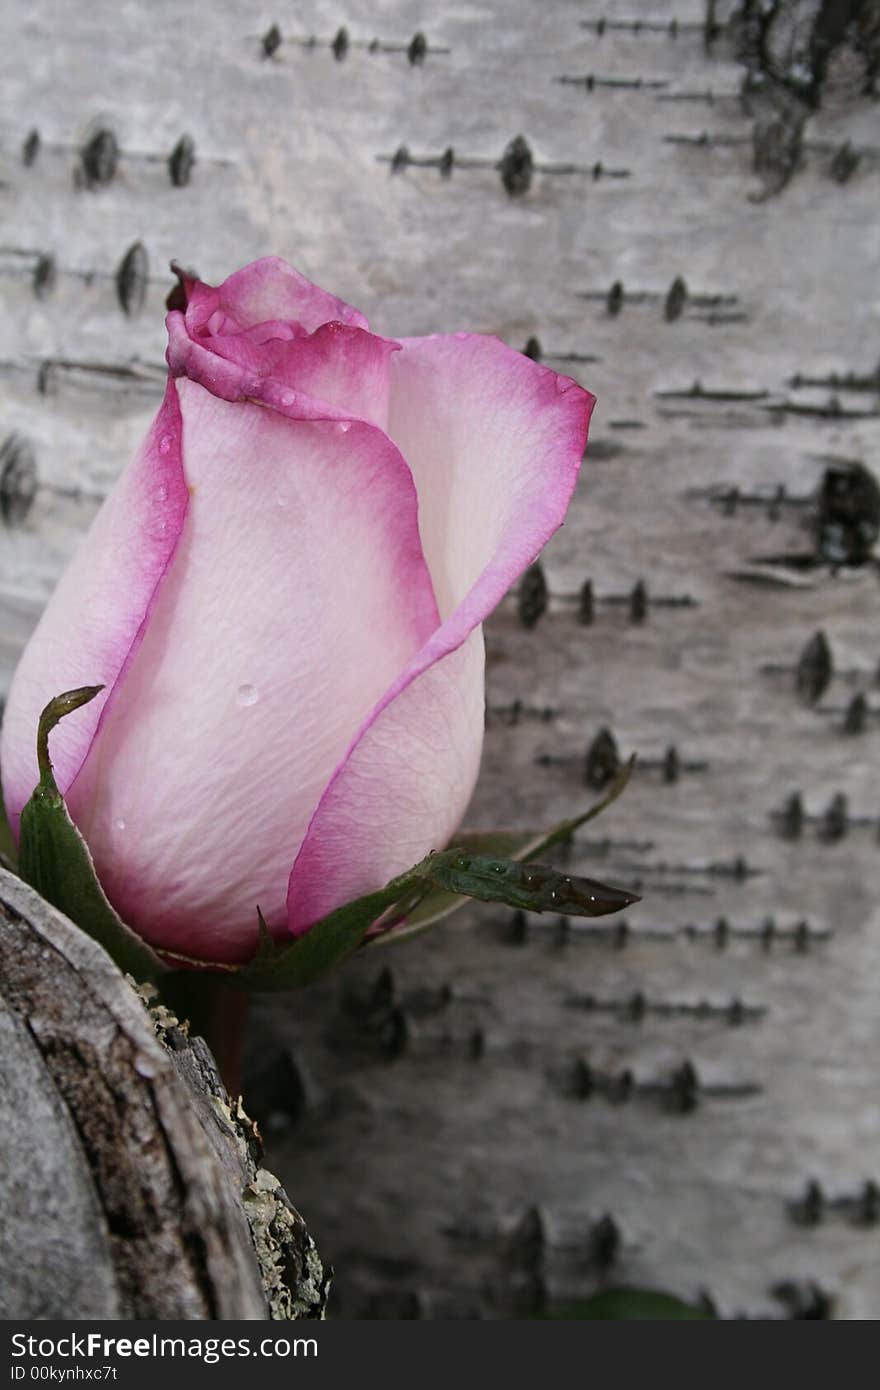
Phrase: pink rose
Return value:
(283, 597)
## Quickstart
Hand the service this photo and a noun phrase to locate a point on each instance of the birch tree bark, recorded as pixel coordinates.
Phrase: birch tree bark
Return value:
(520, 1111)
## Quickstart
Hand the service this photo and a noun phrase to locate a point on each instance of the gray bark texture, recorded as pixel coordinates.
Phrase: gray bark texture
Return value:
(130, 1185)
(511, 1113)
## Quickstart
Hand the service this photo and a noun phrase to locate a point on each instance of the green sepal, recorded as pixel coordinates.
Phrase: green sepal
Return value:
(8, 851)
(519, 846)
(529, 886)
(455, 872)
(55, 860)
(265, 940)
(325, 944)
(564, 831)
(632, 1305)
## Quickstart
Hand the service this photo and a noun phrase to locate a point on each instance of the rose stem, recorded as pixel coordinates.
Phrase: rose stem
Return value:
(216, 1013)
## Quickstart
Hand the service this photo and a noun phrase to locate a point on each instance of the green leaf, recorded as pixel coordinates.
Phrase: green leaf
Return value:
(520, 846)
(633, 1305)
(54, 858)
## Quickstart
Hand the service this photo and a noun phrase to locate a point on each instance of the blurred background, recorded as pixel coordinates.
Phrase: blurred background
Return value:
(676, 204)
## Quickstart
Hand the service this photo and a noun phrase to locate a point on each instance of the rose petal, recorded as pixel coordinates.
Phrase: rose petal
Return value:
(494, 442)
(335, 373)
(298, 592)
(95, 619)
(343, 368)
(268, 333)
(264, 290)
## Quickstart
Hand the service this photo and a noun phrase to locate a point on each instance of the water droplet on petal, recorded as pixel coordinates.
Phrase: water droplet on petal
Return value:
(119, 823)
(563, 383)
(162, 493)
(282, 499)
(247, 695)
(288, 397)
(342, 426)
(165, 444)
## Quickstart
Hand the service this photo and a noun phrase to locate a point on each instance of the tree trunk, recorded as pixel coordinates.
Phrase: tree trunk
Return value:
(131, 1185)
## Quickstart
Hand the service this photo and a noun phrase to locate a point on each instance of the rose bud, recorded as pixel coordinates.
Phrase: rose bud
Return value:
(282, 597)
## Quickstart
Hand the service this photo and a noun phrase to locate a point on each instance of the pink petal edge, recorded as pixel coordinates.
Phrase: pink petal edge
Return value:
(114, 584)
(335, 372)
(265, 290)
